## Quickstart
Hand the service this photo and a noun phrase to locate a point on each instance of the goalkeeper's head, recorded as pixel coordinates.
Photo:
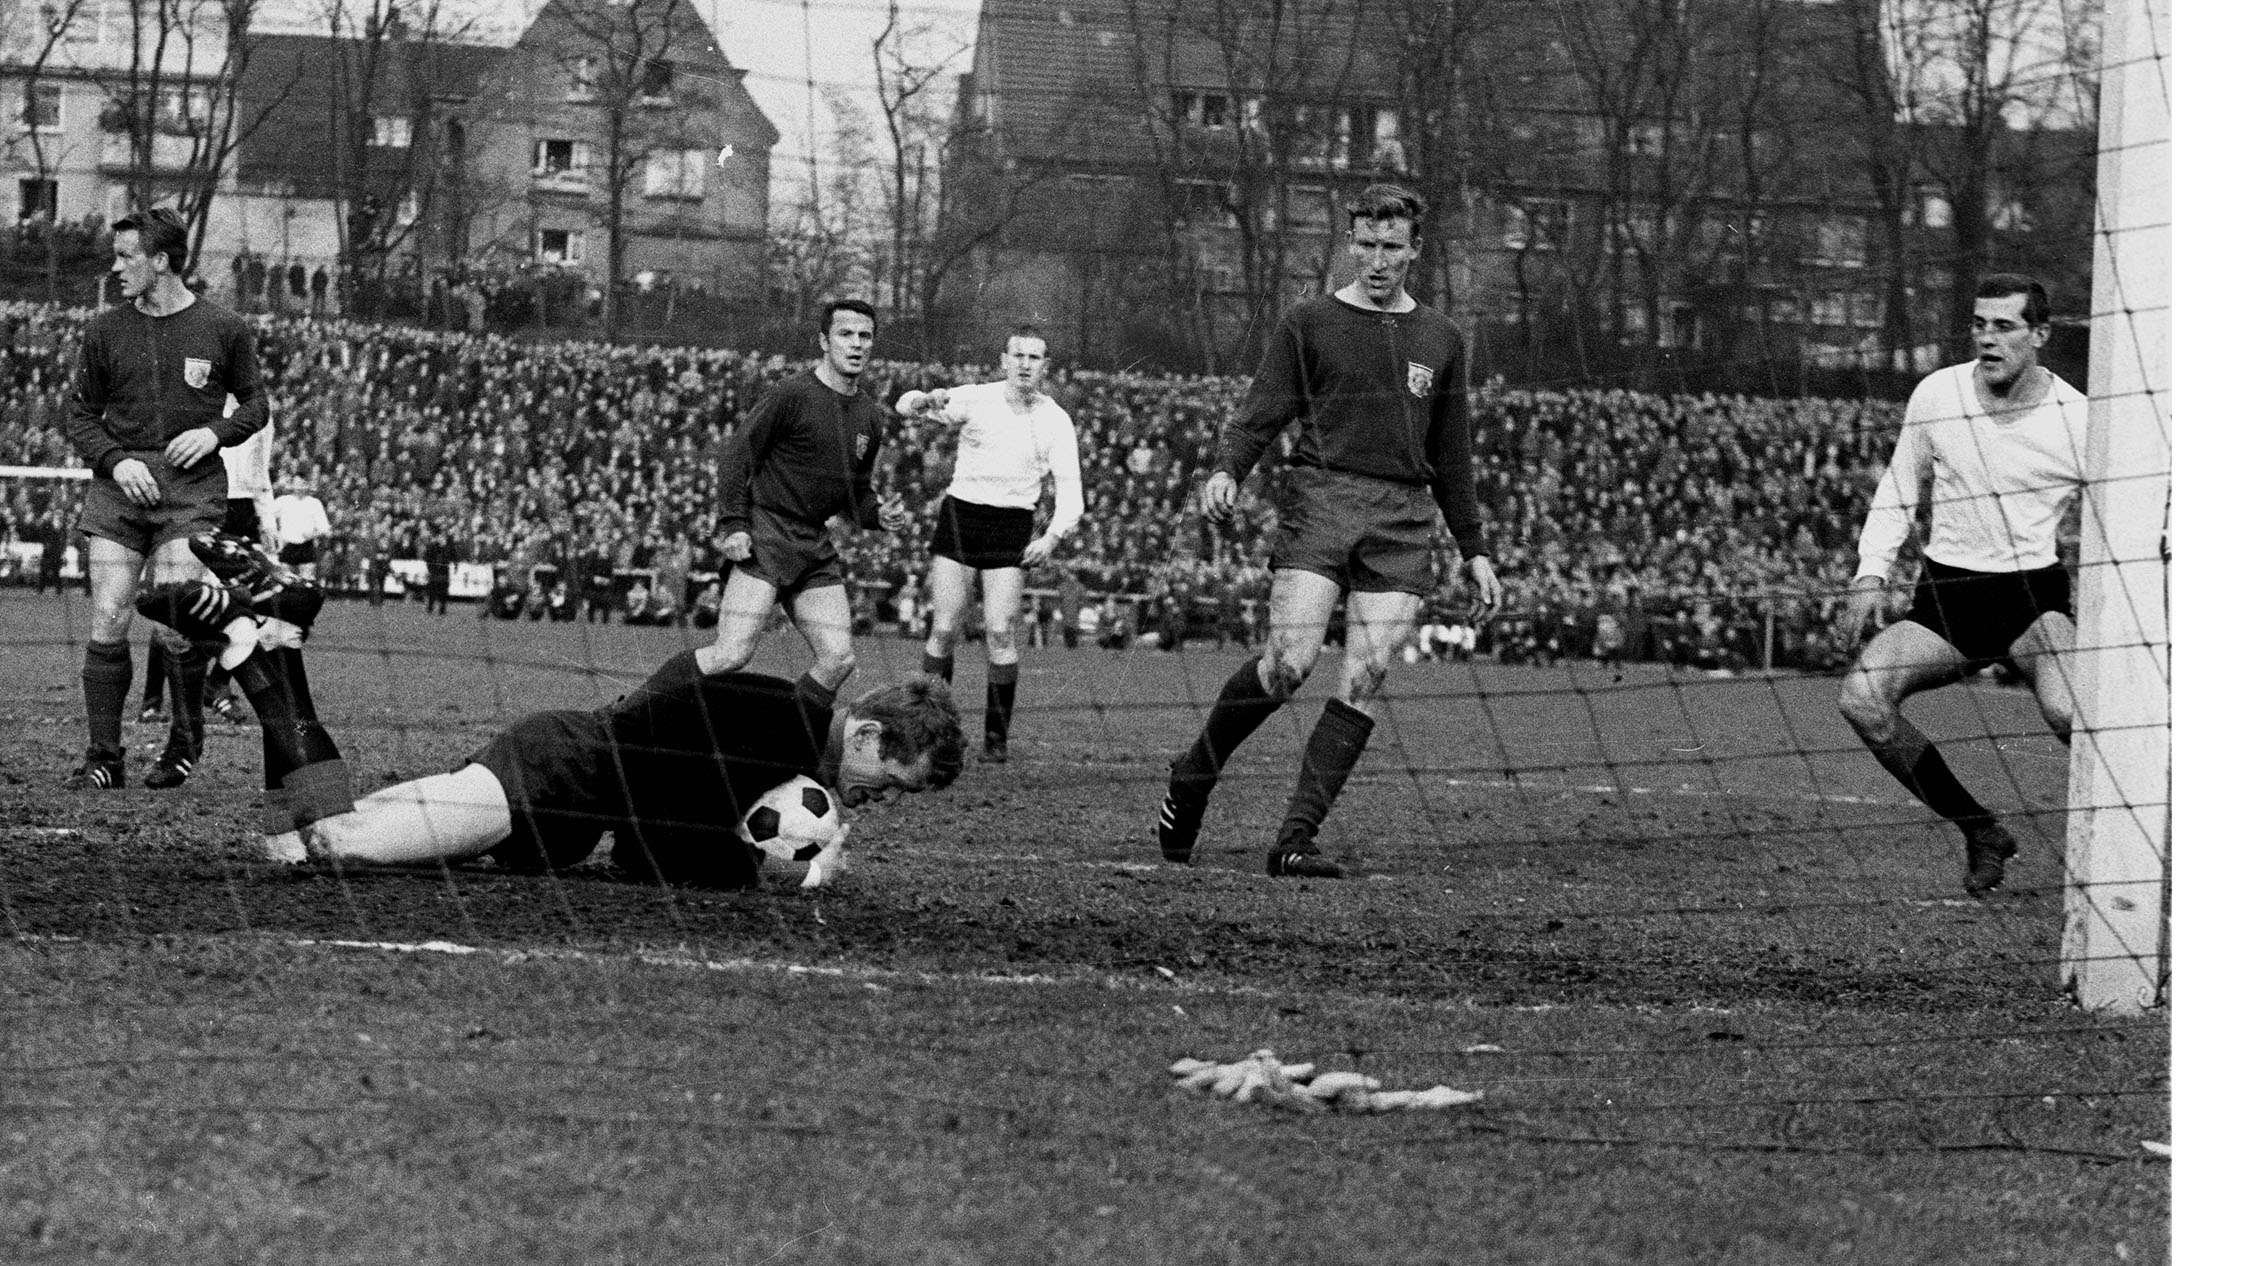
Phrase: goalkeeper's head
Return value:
(896, 740)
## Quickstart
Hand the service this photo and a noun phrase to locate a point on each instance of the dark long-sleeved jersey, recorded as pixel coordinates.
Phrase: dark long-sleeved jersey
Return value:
(805, 452)
(671, 766)
(1382, 394)
(144, 379)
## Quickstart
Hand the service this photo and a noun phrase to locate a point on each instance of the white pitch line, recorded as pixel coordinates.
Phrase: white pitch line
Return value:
(1157, 980)
(1690, 792)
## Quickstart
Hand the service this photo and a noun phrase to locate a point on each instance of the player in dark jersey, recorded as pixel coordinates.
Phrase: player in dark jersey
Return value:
(803, 458)
(1380, 386)
(149, 416)
(671, 767)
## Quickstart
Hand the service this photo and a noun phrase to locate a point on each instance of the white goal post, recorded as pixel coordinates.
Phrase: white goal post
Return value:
(2118, 853)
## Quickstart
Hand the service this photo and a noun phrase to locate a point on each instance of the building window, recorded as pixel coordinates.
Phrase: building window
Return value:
(1936, 210)
(558, 160)
(563, 247)
(656, 83)
(392, 131)
(1213, 111)
(585, 78)
(1389, 150)
(1840, 241)
(1536, 224)
(1831, 308)
(35, 199)
(43, 107)
(2011, 216)
(674, 173)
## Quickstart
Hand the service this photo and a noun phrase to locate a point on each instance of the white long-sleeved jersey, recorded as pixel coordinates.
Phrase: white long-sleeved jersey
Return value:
(1997, 488)
(1005, 454)
(250, 473)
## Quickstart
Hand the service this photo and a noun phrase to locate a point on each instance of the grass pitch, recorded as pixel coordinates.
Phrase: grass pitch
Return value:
(1711, 970)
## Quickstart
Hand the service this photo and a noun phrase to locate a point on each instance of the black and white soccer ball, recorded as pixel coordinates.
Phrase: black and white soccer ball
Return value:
(798, 821)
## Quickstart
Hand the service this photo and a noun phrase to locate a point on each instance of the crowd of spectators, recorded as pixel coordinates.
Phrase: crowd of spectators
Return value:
(1706, 530)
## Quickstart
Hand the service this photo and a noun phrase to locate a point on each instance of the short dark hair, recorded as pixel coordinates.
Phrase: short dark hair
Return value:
(163, 232)
(1025, 331)
(834, 306)
(919, 719)
(1385, 202)
(2002, 285)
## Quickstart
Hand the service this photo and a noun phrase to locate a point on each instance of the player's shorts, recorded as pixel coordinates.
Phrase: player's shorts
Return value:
(189, 501)
(242, 518)
(298, 553)
(791, 554)
(1982, 613)
(981, 536)
(554, 767)
(1368, 535)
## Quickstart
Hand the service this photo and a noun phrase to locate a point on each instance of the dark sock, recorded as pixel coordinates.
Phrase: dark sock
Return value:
(1932, 780)
(216, 684)
(1243, 705)
(108, 678)
(1330, 753)
(295, 738)
(999, 700)
(938, 665)
(184, 666)
(153, 676)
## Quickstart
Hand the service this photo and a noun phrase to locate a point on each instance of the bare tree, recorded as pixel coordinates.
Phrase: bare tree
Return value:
(622, 61)
(1295, 78)
(177, 102)
(383, 127)
(53, 24)
(1984, 68)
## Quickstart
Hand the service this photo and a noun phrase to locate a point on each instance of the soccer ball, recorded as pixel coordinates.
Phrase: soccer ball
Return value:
(798, 821)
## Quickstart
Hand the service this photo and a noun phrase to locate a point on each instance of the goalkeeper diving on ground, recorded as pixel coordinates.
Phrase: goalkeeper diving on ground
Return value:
(670, 767)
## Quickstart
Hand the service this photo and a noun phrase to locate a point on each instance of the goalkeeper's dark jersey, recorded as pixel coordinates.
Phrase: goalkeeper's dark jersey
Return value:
(670, 767)
(805, 452)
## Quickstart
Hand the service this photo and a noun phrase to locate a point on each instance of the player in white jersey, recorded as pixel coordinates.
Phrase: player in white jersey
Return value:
(1013, 438)
(1994, 449)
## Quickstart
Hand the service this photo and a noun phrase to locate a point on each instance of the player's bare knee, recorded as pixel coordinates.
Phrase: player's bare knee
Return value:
(723, 657)
(837, 663)
(1864, 708)
(1364, 681)
(1286, 672)
(1000, 642)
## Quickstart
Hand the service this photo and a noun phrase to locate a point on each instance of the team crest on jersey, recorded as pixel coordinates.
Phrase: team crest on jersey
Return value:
(198, 372)
(859, 445)
(1418, 378)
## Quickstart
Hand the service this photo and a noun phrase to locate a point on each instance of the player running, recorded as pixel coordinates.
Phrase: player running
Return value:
(1380, 385)
(1994, 450)
(805, 457)
(670, 767)
(1013, 438)
(154, 375)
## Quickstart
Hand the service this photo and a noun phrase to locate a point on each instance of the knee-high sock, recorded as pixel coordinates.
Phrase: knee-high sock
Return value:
(217, 684)
(184, 666)
(1925, 773)
(108, 678)
(938, 665)
(999, 700)
(1243, 705)
(153, 676)
(1330, 753)
(306, 777)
